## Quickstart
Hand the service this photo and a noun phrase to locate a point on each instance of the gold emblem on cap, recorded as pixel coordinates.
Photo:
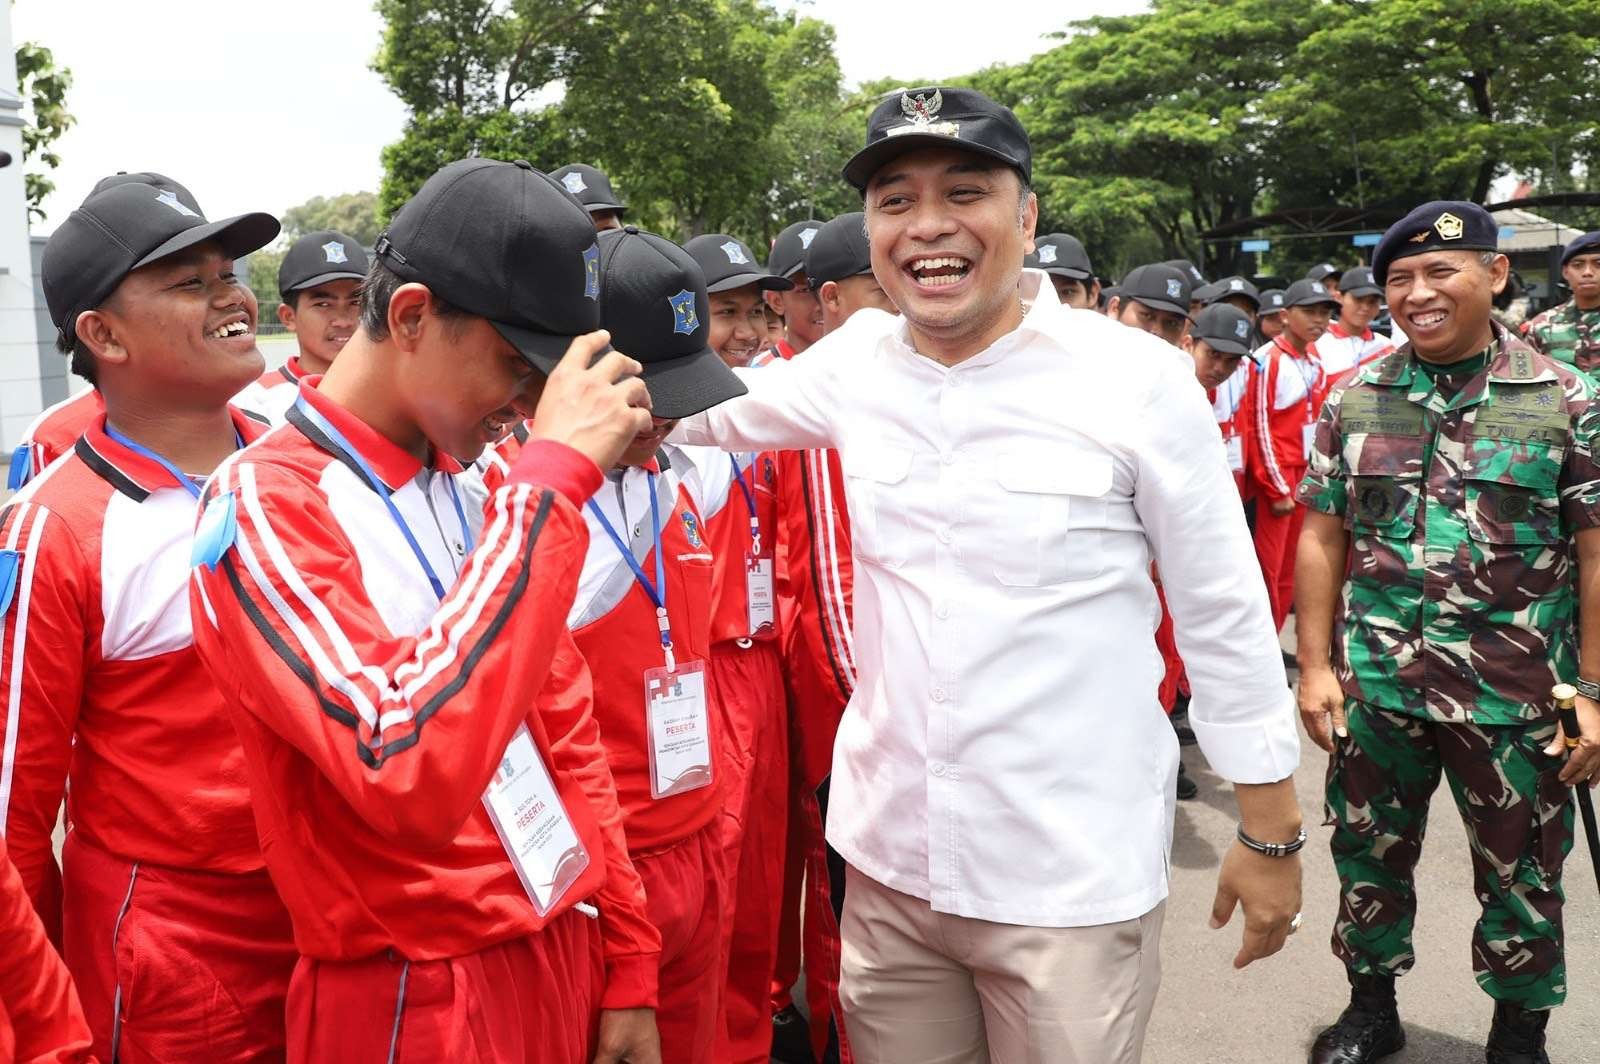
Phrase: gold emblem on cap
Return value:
(1449, 226)
(1419, 238)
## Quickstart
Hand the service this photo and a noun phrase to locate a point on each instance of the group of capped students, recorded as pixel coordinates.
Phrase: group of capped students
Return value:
(431, 698)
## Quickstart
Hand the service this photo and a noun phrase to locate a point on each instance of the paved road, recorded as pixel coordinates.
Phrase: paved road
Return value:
(1269, 1013)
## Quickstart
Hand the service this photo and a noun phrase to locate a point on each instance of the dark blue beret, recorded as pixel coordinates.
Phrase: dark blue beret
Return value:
(1443, 225)
(1587, 244)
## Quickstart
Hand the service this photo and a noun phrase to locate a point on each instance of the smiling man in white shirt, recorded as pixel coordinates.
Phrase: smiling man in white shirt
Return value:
(1003, 776)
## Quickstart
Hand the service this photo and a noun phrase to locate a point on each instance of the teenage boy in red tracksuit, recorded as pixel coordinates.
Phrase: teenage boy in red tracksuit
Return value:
(738, 496)
(319, 282)
(797, 306)
(425, 766)
(106, 701)
(1350, 342)
(1283, 396)
(58, 427)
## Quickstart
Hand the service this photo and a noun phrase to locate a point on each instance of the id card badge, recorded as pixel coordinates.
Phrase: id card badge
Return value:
(1308, 436)
(1235, 446)
(680, 729)
(758, 596)
(533, 825)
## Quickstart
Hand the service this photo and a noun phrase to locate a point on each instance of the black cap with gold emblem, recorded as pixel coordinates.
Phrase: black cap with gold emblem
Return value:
(940, 117)
(1442, 225)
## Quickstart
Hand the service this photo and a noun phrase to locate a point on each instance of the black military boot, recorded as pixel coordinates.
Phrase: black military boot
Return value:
(1516, 1036)
(1369, 1029)
(1187, 787)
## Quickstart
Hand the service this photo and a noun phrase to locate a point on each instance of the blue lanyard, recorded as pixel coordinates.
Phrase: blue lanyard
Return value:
(378, 486)
(749, 501)
(184, 479)
(658, 590)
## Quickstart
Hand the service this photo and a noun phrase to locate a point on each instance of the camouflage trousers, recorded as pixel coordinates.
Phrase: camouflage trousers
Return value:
(1519, 826)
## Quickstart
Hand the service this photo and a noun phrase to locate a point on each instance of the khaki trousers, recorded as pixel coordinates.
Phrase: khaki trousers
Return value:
(920, 987)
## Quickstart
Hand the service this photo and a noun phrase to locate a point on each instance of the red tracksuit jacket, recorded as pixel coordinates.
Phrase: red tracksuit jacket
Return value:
(1283, 396)
(52, 435)
(102, 680)
(373, 714)
(271, 394)
(41, 1019)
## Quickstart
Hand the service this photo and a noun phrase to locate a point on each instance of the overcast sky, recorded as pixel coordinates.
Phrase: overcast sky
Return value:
(262, 107)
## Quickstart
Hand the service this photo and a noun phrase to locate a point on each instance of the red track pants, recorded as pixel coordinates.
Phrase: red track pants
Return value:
(1277, 536)
(685, 897)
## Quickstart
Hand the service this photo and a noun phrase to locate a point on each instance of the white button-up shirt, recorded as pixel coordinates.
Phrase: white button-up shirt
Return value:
(1005, 756)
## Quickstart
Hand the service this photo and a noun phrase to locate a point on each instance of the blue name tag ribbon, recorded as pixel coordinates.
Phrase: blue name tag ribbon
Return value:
(21, 467)
(216, 532)
(9, 560)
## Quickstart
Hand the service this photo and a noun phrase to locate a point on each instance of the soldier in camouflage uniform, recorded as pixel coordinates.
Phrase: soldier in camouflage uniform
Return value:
(1570, 333)
(1448, 483)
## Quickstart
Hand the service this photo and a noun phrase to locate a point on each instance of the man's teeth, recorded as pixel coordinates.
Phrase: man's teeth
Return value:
(233, 328)
(1431, 318)
(940, 271)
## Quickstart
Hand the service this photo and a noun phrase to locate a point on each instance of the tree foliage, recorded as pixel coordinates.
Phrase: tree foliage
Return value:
(354, 214)
(43, 86)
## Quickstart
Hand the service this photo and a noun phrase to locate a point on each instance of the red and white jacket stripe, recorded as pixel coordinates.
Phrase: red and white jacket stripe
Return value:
(274, 392)
(373, 715)
(1341, 352)
(102, 684)
(1283, 396)
(52, 435)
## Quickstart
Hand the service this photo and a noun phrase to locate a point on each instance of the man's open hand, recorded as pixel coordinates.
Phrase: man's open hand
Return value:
(1269, 890)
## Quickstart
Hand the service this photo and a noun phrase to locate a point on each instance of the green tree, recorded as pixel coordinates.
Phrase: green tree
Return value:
(352, 213)
(43, 86)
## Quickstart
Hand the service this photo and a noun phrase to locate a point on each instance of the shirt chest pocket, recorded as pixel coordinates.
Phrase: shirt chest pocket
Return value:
(1512, 492)
(1051, 517)
(1385, 489)
(878, 527)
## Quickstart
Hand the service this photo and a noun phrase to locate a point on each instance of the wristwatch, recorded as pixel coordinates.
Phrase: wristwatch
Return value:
(1274, 849)
(1588, 689)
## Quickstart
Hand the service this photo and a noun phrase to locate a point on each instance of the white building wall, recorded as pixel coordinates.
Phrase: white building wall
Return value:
(21, 397)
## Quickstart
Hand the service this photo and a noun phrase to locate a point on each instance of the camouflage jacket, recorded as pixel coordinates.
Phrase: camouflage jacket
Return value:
(1568, 335)
(1458, 600)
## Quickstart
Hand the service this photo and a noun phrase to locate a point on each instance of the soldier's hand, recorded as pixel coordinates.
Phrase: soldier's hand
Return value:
(628, 1036)
(596, 410)
(1268, 888)
(1583, 760)
(1322, 706)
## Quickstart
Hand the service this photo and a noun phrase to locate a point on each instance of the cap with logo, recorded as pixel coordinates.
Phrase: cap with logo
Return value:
(1159, 287)
(124, 227)
(840, 250)
(1441, 225)
(940, 117)
(653, 302)
(320, 257)
(1322, 271)
(1207, 294)
(151, 178)
(1232, 287)
(591, 186)
(1224, 328)
(789, 249)
(728, 263)
(1587, 244)
(1273, 301)
(1308, 293)
(505, 242)
(1189, 270)
(1357, 281)
(1061, 254)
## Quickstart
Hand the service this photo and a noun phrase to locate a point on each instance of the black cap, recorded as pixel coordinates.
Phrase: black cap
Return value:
(653, 301)
(1442, 225)
(729, 263)
(1061, 254)
(151, 178)
(840, 250)
(789, 249)
(1273, 301)
(1587, 244)
(505, 242)
(1229, 287)
(1189, 270)
(320, 257)
(1108, 293)
(1322, 271)
(1159, 287)
(1224, 328)
(591, 187)
(940, 117)
(1357, 281)
(127, 226)
(1308, 293)
(1207, 294)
